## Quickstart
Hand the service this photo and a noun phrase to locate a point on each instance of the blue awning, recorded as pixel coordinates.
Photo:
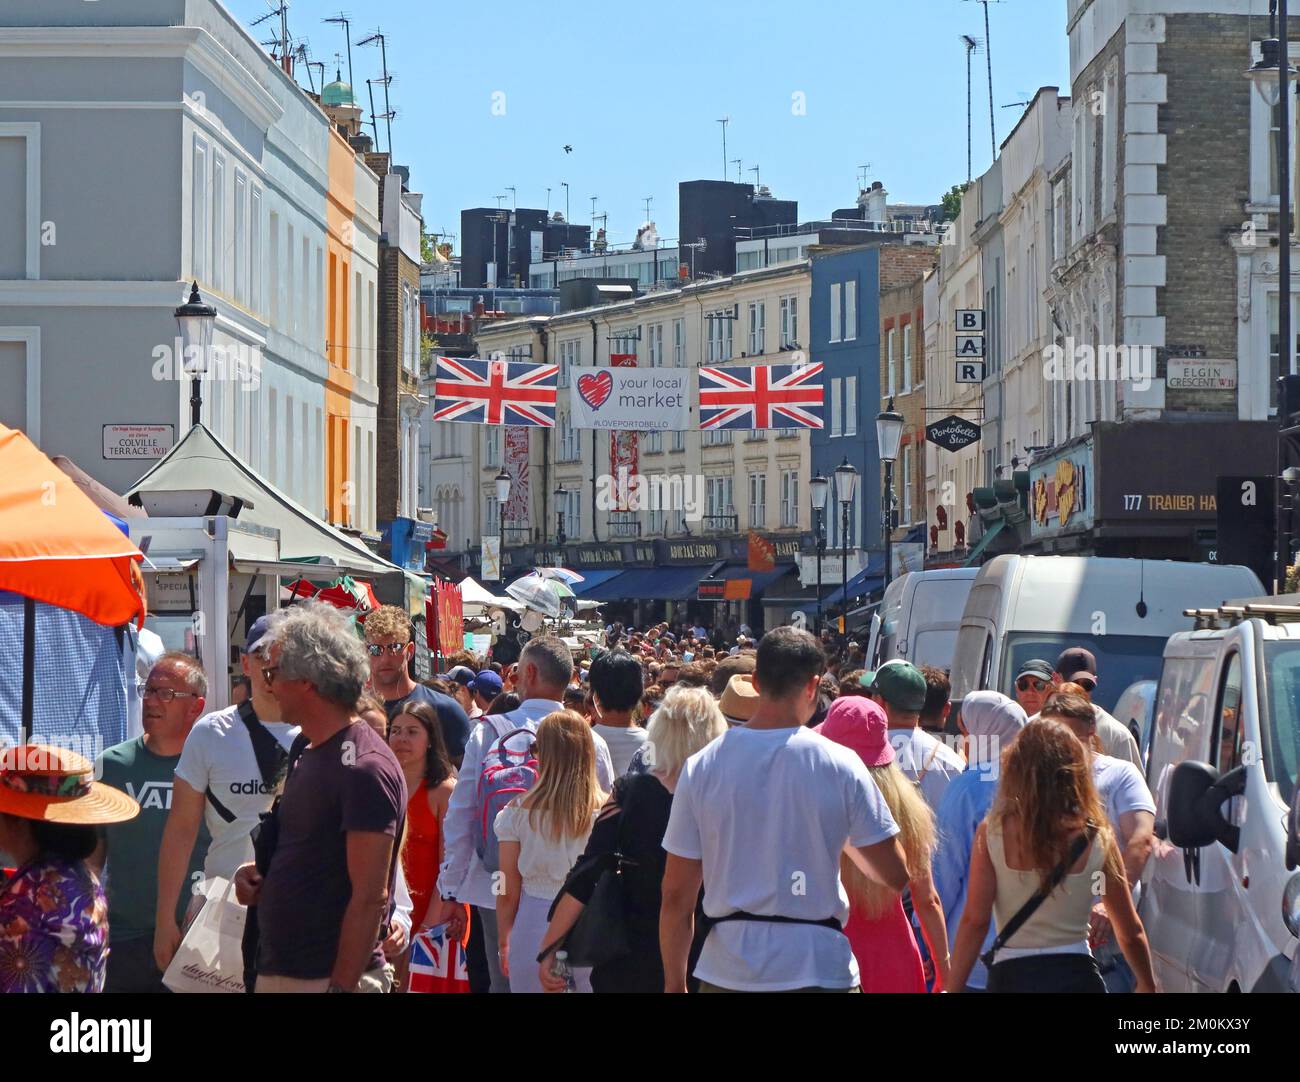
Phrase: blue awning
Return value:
(871, 577)
(650, 584)
(760, 580)
(592, 579)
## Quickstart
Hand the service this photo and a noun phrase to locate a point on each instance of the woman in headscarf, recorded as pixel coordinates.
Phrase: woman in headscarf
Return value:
(990, 722)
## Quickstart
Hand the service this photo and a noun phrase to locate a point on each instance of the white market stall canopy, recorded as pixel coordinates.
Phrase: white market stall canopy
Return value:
(200, 461)
(473, 594)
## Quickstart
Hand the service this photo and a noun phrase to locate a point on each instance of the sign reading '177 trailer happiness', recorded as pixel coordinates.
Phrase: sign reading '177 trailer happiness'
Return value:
(639, 399)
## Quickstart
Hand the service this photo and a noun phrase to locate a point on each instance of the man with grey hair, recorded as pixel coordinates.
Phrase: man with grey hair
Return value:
(325, 898)
(544, 670)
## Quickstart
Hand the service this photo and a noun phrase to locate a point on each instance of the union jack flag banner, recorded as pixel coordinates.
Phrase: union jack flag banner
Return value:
(762, 396)
(495, 392)
(437, 963)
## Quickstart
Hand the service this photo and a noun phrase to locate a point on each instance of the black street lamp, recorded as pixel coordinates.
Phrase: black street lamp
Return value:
(195, 321)
(1270, 77)
(889, 434)
(502, 481)
(820, 488)
(846, 484)
(559, 519)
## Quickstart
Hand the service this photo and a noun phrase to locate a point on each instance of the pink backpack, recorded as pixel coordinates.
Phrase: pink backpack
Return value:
(504, 775)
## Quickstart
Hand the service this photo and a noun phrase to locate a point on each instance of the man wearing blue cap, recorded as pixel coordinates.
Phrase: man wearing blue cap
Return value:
(485, 687)
(231, 767)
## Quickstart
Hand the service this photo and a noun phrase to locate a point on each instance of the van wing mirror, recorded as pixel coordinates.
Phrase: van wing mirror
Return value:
(1293, 833)
(1196, 796)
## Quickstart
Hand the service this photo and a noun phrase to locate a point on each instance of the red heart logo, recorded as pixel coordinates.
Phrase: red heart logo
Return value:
(595, 388)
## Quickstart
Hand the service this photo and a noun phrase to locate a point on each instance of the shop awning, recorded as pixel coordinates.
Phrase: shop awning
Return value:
(201, 461)
(973, 559)
(650, 584)
(871, 577)
(759, 580)
(592, 579)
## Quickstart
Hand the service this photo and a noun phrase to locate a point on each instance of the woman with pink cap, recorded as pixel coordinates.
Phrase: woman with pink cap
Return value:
(888, 957)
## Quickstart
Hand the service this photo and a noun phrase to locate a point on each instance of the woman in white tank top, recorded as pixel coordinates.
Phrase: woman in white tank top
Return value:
(1046, 802)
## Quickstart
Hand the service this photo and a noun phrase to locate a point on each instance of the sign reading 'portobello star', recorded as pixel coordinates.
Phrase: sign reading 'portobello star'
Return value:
(952, 433)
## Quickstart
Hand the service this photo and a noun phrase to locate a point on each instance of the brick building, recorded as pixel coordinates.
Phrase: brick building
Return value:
(902, 375)
(399, 332)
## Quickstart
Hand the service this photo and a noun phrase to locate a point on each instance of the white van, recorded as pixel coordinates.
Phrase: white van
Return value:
(1023, 607)
(1220, 905)
(919, 616)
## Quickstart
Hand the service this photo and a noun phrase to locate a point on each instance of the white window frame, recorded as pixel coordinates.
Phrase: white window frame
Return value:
(836, 416)
(851, 310)
(200, 189)
(907, 358)
(891, 382)
(757, 500)
(218, 190)
(850, 405)
(679, 343)
(492, 446)
(757, 328)
(789, 498)
(789, 320)
(837, 322)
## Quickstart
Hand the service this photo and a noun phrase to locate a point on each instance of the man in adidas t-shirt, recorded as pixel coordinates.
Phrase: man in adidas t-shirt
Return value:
(218, 783)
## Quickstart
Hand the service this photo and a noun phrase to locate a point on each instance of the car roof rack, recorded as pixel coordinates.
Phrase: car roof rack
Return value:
(1230, 614)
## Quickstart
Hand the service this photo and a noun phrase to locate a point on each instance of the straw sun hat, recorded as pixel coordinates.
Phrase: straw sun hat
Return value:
(57, 785)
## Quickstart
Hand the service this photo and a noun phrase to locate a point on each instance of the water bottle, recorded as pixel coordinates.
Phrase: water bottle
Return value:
(561, 968)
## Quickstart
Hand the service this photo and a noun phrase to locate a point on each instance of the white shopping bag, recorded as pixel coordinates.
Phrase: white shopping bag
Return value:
(211, 957)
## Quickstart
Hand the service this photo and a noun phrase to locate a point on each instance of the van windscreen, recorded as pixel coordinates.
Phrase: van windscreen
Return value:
(1281, 728)
(1121, 659)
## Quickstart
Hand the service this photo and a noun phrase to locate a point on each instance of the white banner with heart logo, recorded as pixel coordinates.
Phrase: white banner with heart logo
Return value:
(637, 399)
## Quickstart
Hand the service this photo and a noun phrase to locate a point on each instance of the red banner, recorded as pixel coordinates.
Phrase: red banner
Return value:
(622, 447)
(762, 553)
(515, 460)
(444, 618)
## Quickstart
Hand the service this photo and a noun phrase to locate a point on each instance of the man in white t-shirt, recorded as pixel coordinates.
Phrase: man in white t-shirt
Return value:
(218, 782)
(759, 818)
(900, 688)
(1078, 666)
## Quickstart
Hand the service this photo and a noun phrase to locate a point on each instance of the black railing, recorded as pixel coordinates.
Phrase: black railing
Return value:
(721, 523)
(624, 527)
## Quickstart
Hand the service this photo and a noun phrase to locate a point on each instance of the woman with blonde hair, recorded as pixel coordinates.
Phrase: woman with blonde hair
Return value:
(888, 957)
(631, 830)
(541, 835)
(1038, 860)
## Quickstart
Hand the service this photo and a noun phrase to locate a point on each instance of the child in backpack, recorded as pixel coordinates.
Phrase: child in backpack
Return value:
(541, 834)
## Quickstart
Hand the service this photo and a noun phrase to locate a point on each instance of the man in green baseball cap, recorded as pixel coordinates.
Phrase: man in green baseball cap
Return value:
(927, 760)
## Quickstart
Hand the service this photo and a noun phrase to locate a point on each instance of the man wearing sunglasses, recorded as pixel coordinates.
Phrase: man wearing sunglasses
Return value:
(1033, 685)
(391, 648)
(1079, 667)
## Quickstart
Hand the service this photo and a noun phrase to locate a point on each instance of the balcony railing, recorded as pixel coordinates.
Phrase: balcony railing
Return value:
(624, 527)
(516, 535)
(721, 523)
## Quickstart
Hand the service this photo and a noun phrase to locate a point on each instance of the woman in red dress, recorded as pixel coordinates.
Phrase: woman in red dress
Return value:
(415, 737)
(887, 954)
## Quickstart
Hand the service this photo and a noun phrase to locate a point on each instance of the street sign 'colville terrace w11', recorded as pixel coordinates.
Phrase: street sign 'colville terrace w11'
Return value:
(952, 433)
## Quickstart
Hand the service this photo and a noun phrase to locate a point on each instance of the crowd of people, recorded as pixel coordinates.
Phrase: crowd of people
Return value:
(672, 809)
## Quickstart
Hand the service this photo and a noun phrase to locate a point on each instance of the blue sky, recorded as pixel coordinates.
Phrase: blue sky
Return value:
(637, 90)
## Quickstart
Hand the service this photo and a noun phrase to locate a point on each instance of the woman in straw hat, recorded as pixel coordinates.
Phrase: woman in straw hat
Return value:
(53, 915)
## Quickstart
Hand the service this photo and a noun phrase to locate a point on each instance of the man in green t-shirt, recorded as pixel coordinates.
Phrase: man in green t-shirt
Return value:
(173, 699)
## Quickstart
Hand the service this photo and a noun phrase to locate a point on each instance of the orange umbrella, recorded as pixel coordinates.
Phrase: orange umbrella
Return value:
(56, 546)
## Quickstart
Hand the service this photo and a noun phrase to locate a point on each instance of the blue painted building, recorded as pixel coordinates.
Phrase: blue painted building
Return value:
(844, 335)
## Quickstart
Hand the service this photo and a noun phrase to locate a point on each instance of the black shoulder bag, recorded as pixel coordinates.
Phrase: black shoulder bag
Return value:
(272, 759)
(1030, 907)
(600, 934)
